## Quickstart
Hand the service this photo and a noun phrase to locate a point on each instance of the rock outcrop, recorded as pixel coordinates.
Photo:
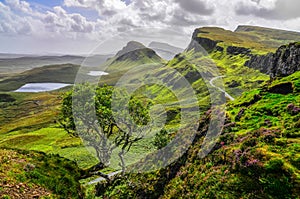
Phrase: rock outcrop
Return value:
(131, 46)
(135, 51)
(261, 62)
(198, 43)
(235, 50)
(284, 62)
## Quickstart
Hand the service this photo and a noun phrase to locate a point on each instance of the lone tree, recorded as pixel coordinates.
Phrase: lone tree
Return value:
(101, 127)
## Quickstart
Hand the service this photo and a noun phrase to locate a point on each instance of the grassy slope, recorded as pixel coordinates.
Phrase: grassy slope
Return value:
(48, 74)
(257, 155)
(29, 123)
(30, 174)
(261, 40)
(270, 37)
(35, 129)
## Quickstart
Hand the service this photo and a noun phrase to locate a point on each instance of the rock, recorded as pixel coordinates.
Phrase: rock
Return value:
(233, 84)
(284, 88)
(234, 50)
(262, 63)
(29, 167)
(294, 110)
(219, 48)
(240, 114)
(286, 61)
(198, 43)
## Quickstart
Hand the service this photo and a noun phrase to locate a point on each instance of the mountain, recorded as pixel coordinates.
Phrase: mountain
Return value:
(244, 39)
(256, 155)
(284, 62)
(131, 46)
(165, 50)
(135, 51)
(18, 63)
(273, 37)
(132, 55)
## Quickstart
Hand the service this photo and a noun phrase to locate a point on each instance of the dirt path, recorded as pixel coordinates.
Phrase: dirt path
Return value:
(211, 82)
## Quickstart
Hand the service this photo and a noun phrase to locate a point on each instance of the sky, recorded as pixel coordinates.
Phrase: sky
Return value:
(104, 26)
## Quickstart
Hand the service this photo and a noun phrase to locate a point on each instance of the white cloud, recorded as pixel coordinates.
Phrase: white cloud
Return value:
(19, 5)
(60, 21)
(70, 22)
(11, 24)
(104, 7)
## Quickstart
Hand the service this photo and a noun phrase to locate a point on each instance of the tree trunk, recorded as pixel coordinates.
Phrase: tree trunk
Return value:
(95, 170)
(123, 165)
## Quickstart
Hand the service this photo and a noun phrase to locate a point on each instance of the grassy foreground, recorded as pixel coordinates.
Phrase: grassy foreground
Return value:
(257, 155)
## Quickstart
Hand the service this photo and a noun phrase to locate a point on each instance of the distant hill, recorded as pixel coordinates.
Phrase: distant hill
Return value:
(132, 55)
(18, 63)
(165, 50)
(131, 46)
(25, 70)
(65, 73)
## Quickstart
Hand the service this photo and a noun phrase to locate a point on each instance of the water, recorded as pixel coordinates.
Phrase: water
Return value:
(40, 87)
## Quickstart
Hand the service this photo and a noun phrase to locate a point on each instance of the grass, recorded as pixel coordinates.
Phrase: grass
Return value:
(28, 174)
(48, 74)
(255, 157)
(263, 131)
(29, 123)
(259, 40)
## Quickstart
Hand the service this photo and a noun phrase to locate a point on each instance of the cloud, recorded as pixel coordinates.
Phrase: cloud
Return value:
(10, 24)
(61, 21)
(270, 9)
(198, 7)
(103, 7)
(90, 21)
(19, 5)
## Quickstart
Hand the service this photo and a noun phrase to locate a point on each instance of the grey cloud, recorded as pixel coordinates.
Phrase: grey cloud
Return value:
(195, 6)
(284, 10)
(61, 21)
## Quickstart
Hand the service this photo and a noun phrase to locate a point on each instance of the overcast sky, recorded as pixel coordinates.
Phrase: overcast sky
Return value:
(79, 26)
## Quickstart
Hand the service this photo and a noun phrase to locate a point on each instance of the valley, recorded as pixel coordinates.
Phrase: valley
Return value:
(248, 78)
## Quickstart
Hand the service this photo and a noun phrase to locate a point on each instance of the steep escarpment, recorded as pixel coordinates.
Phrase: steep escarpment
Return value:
(285, 61)
(261, 62)
(259, 48)
(199, 42)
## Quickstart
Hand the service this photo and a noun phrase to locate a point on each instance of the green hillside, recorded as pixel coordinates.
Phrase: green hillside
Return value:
(25, 174)
(257, 155)
(48, 74)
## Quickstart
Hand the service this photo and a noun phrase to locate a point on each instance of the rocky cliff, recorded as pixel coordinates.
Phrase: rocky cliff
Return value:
(198, 43)
(248, 41)
(284, 62)
(261, 62)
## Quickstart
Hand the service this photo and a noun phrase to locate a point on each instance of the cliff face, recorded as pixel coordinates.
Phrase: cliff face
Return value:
(198, 42)
(284, 62)
(261, 62)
